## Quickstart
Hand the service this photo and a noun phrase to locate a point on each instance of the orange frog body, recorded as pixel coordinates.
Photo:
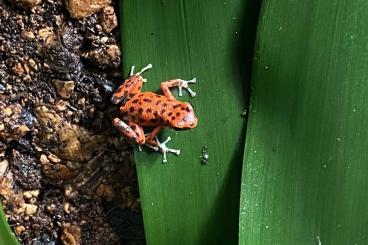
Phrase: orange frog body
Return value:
(141, 109)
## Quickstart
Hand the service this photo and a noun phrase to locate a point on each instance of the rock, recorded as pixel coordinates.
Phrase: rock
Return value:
(61, 105)
(27, 173)
(30, 209)
(108, 19)
(105, 191)
(27, 35)
(53, 158)
(70, 192)
(18, 69)
(32, 63)
(62, 62)
(66, 207)
(64, 88)
(27, 3)
(7, 111)
(22, 130)
(44, 160)
(76, 142)
(54, 169)
(48, 35)
(108, 57)
(84, 8)
(71, 38)
(20, 229)
(30, 194)
(3, 167)
(71, 234)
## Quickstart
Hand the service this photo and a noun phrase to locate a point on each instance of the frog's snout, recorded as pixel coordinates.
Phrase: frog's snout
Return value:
(185, 118)
(190, 120)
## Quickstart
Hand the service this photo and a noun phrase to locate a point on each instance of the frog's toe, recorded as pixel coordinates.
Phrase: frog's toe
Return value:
(194, 80)
(164, 149)
(155, 148)
(132, 71)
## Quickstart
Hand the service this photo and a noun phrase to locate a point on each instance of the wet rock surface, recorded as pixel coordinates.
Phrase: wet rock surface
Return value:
(61, 161)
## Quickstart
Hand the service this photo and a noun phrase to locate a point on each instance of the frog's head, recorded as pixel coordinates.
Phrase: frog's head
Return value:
(183, 117)
(131, 86)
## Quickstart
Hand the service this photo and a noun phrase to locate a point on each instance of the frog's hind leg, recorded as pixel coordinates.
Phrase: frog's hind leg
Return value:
(132, 131)
(165, 87)
(150, 138)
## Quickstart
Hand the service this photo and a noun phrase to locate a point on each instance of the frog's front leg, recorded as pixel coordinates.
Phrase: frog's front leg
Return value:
(131, 130)
(165, 87)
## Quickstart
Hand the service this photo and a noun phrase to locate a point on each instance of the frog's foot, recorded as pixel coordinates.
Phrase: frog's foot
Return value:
(149, 66)
(164, 149)
(184, 84)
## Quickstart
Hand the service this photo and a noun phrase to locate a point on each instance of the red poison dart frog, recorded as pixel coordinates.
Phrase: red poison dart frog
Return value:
(147, 109)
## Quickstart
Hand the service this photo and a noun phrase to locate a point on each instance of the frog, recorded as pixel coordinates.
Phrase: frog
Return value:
(139, 110)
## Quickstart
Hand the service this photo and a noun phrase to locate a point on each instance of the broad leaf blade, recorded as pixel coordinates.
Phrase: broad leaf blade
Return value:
(6, 235)
(305, 173)
(184, 201)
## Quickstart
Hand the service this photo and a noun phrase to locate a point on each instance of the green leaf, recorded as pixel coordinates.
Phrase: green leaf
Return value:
(6, 235)
(185, 201)
(305, 175)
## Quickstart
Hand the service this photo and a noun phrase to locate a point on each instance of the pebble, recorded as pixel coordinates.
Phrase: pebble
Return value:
(53, 158)
(71, 234)
(43, 159)
(3, 167)
(108, 19)
(27, 35)
(7, 111)
(27, 3)
(64, 88)
(83, 8)
(29, 209)
(104, 58)
(66, 207)
(30, 194)
(20, 229)
(18, 69)
(22, 130)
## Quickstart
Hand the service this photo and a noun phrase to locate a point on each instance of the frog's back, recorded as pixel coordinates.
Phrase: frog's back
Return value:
(148, 109)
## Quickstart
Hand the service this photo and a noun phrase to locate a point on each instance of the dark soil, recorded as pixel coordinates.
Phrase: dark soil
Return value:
(66, 176)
